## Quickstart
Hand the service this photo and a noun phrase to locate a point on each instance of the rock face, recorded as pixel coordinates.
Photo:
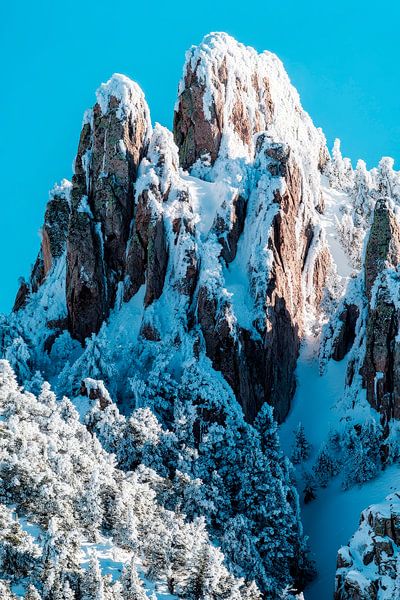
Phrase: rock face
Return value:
(227, 95)
(368, 568)
(380, 369)
(383, 248)
(55, 227)
(113, 141)
(347, 332)
(261, 366)
(147, 252)
(217, 96)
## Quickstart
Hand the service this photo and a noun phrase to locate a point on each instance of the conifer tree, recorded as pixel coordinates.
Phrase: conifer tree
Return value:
(301, 447)
(325, 467)
(5, 592)
(32, 593)
(91, 506)
(363, 203)
(132, 586)
(309, 489)
(93, 584)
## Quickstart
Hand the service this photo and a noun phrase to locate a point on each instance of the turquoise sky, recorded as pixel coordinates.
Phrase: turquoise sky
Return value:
(344, 60)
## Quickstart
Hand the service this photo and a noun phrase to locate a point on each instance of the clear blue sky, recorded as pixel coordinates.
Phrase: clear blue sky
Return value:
(344, 60)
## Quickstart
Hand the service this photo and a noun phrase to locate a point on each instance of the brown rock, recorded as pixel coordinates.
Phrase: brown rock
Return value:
(199, 135)
(55, 228)
(230, 228)
(195, 135)
(95, 390)
(380, 373)
(378, 552)
(110, 149)
(261, 368)
(383, 244)
(347, 333)
(22, 296)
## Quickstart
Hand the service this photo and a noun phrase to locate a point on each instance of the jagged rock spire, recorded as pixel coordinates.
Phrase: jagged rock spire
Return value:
(380, 371)
(54, 237)
(114, 139)
(229, 93)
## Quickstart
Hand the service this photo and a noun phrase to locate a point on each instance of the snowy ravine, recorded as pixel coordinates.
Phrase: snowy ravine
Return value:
(331, 519)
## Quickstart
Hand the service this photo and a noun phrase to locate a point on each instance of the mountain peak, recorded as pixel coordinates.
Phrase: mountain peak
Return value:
(126, 92)
(186, 284)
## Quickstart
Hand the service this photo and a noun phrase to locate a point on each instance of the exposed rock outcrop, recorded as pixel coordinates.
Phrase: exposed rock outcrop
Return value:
(347, 332)
(96, 390)
(381, 375)
(383, 247)
(55, 227)
(114, 139)
(368, 568)
(186, 274)
(147, 253)
(228, 94)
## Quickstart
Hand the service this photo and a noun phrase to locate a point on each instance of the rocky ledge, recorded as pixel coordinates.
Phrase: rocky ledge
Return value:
(368, 567)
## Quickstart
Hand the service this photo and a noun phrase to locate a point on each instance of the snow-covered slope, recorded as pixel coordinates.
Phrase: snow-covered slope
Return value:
(179, 276)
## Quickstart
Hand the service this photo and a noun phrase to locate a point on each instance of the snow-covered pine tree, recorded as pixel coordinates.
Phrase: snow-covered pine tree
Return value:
(32, 593)
(6, 593)
(301, 447)
(67, 592)
(206, 577)
(310, 486)
(325, 467)
(35, 384)
(19, 557)
(363, 201)
(267, 427)
(91, 506)
(60, 560)
(132, 585)
(92, 586)
(19, 358)
(387, 179)
(361, 456)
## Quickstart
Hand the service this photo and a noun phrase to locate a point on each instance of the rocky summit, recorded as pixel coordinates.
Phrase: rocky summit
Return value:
(193, 293)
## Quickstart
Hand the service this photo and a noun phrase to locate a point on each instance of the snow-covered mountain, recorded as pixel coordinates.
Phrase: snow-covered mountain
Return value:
(193, 291)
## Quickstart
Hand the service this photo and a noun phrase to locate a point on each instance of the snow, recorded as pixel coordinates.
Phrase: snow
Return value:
(334, 202)
(253, 254)
(129, 94)
(112, 560)
(18, 589)
(244, 66)
(124, 323)
(333, 517)
(206, 200)
(84, 207)
(237, 286)
(315, 398)
(82, 404)
(62, 189)
(31, 528)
